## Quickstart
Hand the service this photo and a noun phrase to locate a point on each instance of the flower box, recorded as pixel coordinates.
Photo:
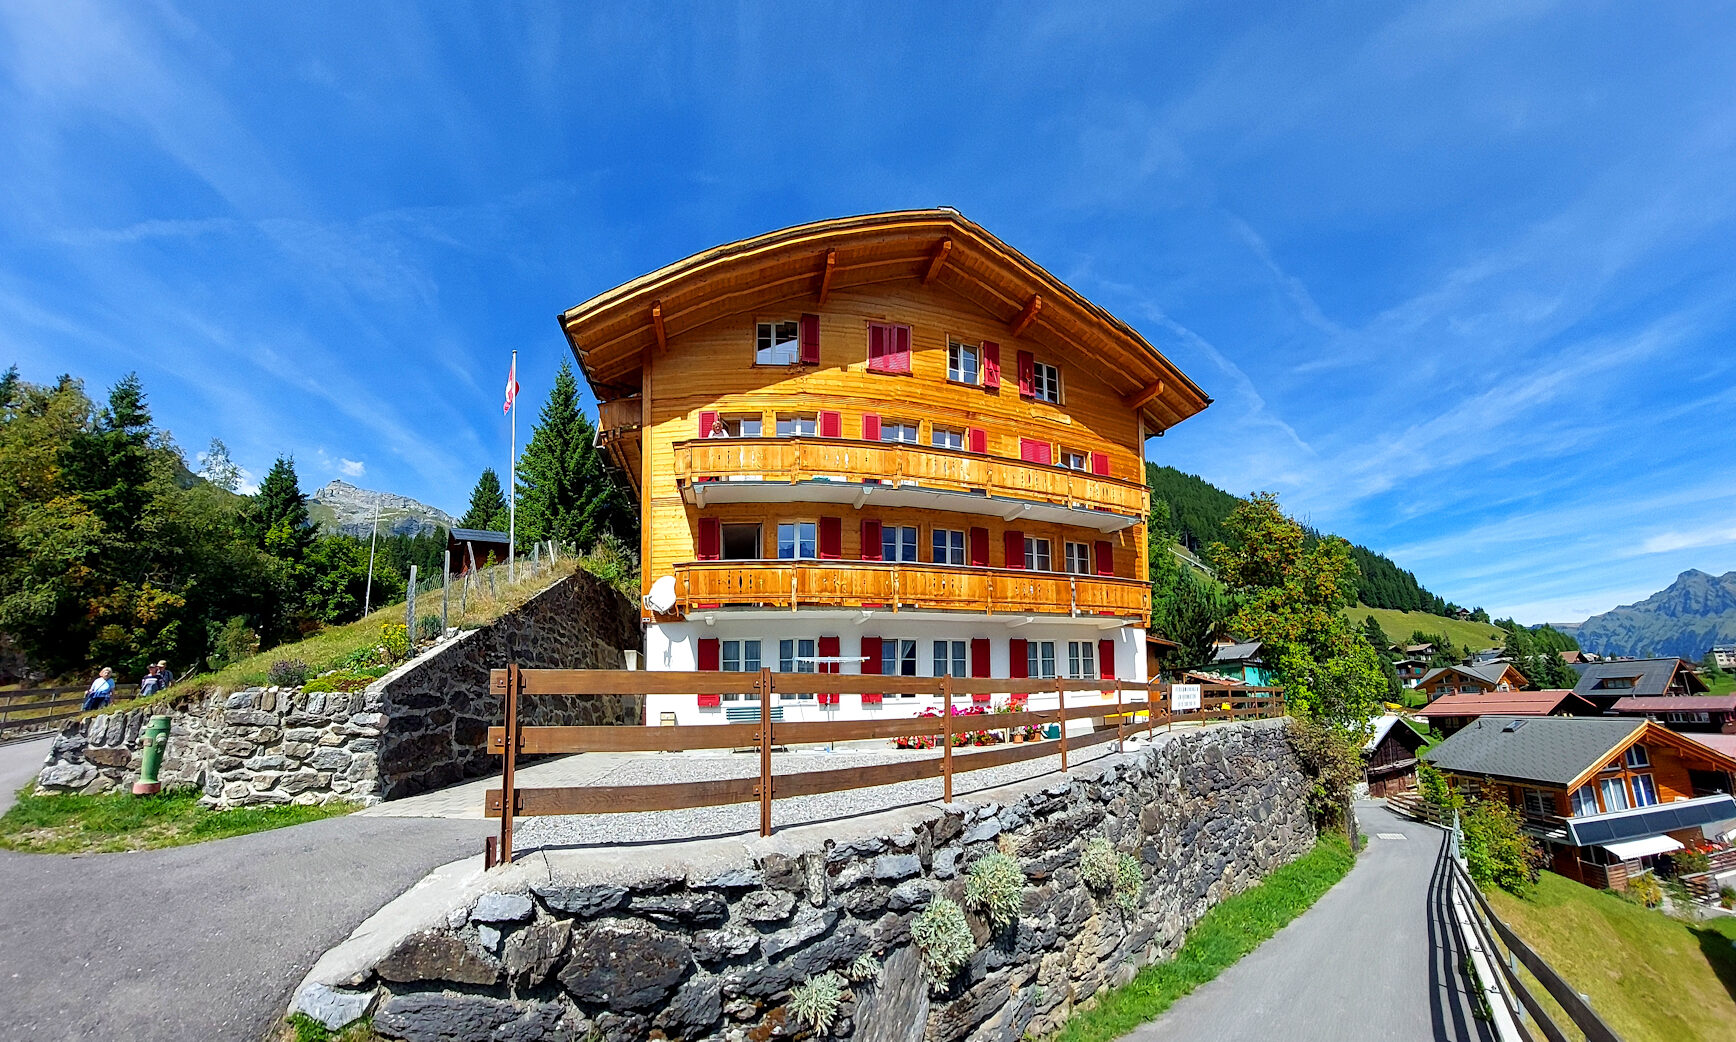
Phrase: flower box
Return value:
(980, 697)
(1021, 698)
(872, 698)
(710, 701)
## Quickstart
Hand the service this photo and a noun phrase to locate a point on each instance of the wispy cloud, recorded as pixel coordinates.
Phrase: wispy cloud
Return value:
(350, 468)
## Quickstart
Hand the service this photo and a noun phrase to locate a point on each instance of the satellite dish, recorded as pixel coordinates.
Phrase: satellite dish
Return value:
(662, 595)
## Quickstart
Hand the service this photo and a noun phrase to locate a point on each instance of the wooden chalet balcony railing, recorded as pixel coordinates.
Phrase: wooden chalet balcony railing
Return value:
(622, 414)
(877, 584)
(846, 459)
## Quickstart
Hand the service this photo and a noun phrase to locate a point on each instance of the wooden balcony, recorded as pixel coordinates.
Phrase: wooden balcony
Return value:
(618, 434)
(906, 587)
(841, 469)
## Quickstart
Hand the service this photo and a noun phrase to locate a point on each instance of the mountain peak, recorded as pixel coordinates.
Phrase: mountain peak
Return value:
(342, 508)
(1684, 619)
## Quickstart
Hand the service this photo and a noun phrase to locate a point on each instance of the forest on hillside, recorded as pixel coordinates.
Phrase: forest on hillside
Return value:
(1198, 510)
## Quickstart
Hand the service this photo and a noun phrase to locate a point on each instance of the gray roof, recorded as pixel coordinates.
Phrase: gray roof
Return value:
(1383, 725)
(1491, 672)
(1549, 749)
(1249, 652)
(477, 535)
(1652, 676)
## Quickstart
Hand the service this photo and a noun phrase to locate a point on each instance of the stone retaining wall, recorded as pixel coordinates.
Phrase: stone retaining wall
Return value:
(419, 726)
(706, 940)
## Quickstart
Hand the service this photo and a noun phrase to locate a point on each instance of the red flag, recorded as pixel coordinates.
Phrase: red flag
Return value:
(511, 386)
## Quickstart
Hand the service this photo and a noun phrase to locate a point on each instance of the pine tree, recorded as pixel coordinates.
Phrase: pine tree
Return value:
(278, 520)
(565, 489)
(487, 511)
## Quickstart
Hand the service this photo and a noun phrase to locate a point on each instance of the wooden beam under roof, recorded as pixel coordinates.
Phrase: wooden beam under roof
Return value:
(1027, 316)
(826, 270)
(937, 260)
(657, 326)
(1139, 398)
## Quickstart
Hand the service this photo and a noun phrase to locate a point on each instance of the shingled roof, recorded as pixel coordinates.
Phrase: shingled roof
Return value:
(1490, 673)
(1650, 676)
(1506, 703)
(1553, 750)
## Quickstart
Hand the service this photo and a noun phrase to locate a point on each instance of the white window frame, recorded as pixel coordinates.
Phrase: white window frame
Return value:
(803, 533)
(1651, 790)
(948, 546)
(769, 350)
(1616, 787)
(899, 544)
(743, 426)
(1537, 801)
(798, 425)
(1637, 757)
(946, 438)
(1070, 460)
(1040, 659)
(1046, 383)
(796, 655)
(1037, 555)
(957, 354)
(898, 659)
(895, 431)
(952, 658)
(1082, 660)
(1585, 800)
(1077, 558)
(744, 652)
(758, 540)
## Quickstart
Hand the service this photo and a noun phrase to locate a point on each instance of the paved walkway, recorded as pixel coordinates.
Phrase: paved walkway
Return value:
(19, 762)
(1374, 959)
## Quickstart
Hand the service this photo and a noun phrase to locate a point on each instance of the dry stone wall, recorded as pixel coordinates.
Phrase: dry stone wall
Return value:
(419, 726)
(708, 940)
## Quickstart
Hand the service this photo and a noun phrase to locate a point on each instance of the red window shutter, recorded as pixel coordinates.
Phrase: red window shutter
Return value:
(709, 660)
(1100, 463)
(871, 655)
(1105, 557)
(1014, 543)
(991, 364)
(979, 547)
(978, 439)
(900, 360)
(871, 541)
(706, 419)
(979, 657)
(870, 427)
(1033, 451)
(1106, 659)
(831, 538)
(710, 539)
(810, 339)
(1027, 374)
(831, 424)
(828, 647)
(1016, 658)
(877, 347)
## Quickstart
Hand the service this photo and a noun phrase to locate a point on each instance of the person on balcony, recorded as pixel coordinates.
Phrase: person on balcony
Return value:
(718, 430)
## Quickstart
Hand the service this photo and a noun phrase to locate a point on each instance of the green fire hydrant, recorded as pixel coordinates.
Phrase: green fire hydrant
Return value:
(156, 739)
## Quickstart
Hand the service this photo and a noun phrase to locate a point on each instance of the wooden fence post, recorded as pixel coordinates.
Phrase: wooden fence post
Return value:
(765, 700)
(445, 588)
(1061, 704)
(1120, 721)
(946, 736)
(508, 764)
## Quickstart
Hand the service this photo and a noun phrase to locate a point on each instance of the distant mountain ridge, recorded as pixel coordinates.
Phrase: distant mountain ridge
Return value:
(341, 508)
(1684, 619)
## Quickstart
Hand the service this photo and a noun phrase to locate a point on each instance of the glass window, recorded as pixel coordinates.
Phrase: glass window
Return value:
(1082, 660)
(796, 540)
(898, 659)
(1614, 794)
(796, 656)
(948, 546)
(740, 543)
(891, 430)
(1584, 801)
(778, 343)
(898, 543)
(740, 656)
(1075, 460)
(1040, 659)
(798, 426)
(961, 363)
(1078, 559)
(742, 426)
(1037, 555)
(1047, 386)
(1645, 791)
(1538, 802)
(946, 438)
(1638, 757)
(949, 659)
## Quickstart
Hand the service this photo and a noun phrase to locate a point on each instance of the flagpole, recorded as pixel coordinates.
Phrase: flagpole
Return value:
(512, 483)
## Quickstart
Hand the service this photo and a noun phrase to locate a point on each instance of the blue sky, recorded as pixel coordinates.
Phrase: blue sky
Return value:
(1459, 276)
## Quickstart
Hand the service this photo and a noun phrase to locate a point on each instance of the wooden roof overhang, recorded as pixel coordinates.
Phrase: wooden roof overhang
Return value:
(1654, 733)
(612, 333)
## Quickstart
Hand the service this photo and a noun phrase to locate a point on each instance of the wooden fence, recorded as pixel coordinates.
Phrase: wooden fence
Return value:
(43, 706)
(1135, 707)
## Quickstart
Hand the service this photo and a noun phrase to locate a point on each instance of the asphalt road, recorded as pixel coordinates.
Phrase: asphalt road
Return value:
(19, 762)
(193, 944)
(1374, 960)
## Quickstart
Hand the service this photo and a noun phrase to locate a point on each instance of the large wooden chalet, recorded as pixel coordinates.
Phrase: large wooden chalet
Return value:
(885, 444)
(1471, 680)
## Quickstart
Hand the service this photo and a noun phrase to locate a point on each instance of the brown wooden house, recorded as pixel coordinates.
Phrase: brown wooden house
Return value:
(1390, 757)
(1472, 680)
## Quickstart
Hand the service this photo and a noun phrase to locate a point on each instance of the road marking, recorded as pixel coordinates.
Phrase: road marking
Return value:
(1389, 835)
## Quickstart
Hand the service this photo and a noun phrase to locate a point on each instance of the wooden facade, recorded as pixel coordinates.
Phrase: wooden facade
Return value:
(782, 403)
(1390, 767)
(1460, 680)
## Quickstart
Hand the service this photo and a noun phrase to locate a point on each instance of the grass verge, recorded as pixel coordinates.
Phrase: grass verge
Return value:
(1649, 976)
(70, 824)
(1226, 933)
(299, 1027)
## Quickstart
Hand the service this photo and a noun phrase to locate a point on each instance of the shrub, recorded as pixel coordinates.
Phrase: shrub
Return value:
(1332, 757)
(1645, 890)
(943, 937)
(1688, 862)
(1496, 851)
(815, 1001)
(1727, 896)
(232, 642)
(429, 627)
(1129, 883)
(1433, 788)
(1097, 864)
(996, 888)
(287, 672)
(394, 641)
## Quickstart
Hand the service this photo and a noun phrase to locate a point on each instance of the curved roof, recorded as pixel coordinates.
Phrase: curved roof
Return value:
(611, 332)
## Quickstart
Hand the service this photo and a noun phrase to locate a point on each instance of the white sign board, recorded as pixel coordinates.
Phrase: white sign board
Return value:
(1183, 696)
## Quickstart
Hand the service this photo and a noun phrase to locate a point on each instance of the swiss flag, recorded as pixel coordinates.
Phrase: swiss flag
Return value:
(511, 385)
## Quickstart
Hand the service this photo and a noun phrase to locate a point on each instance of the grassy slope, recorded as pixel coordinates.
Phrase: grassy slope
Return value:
(71, 824)
(1649, 976)
(1723, 685)
(1226, 933)
(1399, 625)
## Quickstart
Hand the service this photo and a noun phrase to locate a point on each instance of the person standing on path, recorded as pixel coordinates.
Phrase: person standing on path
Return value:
(102, 690)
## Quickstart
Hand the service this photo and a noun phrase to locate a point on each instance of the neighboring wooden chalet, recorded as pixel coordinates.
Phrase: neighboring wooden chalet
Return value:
(1451, 713)
(886, 444)
(1411, 670)
(1606, 682)
(1241, 662)
(1471, 680)
(1606, 796)
(475, 548)
(1713, 714)
(1390, 757)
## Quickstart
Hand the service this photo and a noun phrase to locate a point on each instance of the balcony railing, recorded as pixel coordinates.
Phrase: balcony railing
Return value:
(910, 587)
(849, 460)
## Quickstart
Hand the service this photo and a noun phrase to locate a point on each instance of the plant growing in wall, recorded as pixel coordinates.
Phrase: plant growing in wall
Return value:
(995, 887)
(815, 1001)
(865, 969)
(1129, 883)
(287, 672)
(943, 937)
(1097, 864)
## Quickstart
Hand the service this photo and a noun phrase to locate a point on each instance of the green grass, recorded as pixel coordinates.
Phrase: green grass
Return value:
(71, 824)
(1652, 978)
(1399, 625)
(299, 1027)
(1722, 684)
(1228, 932)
